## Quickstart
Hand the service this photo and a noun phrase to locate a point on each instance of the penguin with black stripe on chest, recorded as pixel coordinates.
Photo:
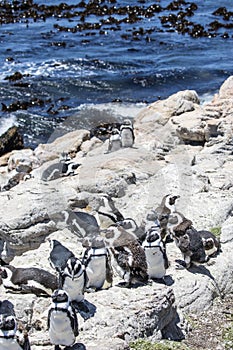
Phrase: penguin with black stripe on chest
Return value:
(129, 257)
(97, 261)
(71, 271)
(187, 240)
(64, 167)
(10, 337)
(62, 320)
(162, 213)
(156, 256)
(73, 279)
(127, 133)
(114, 140)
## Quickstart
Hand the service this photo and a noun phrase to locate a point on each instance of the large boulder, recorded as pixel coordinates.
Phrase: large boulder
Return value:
(11, 140)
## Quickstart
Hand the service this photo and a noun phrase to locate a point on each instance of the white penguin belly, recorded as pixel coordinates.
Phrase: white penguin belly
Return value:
(9, 344)
(96, 272)
(126, 138)
(74, 288)
(155, 263)
(60, 330)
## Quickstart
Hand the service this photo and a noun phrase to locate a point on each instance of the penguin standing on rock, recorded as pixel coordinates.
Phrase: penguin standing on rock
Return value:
(73, 279)
(156, 256)
(127, 134)
(59, 255)
(62, 320)
(10, 337)
(114, 141)
(129, 257)
(191, 247)
(162, 213)
(96, 259)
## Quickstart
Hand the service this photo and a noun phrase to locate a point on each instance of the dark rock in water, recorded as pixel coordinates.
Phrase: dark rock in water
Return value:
(11, 140)
(104, 130)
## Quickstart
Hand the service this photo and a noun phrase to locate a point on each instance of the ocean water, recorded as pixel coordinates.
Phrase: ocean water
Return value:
(80, 68)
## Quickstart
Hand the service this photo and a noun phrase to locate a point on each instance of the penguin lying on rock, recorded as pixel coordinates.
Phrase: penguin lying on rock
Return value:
(62, 320)
(64, 167)
(28, 280)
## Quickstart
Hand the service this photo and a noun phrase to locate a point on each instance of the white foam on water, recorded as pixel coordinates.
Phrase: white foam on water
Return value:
(6, 123)
(125, 110)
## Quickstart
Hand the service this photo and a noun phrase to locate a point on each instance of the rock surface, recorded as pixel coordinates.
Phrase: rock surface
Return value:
(181, 147)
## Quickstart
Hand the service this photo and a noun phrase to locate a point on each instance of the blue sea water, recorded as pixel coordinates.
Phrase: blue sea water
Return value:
(99, 74)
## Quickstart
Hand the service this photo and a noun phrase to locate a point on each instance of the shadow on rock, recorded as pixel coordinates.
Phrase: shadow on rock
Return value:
(201, 269)
(76, 346)
(85, 309)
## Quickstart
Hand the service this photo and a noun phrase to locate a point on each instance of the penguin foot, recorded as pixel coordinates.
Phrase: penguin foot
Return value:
(90, 290)
(124, 284)
(181, 265)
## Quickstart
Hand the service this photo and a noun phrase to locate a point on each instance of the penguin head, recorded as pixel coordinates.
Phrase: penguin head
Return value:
(7, 323)
(60, 296)
(74, 267)
(115, 131)
(64, 157)
(98, 242)
(153, 234)
(128, 224)
(208, 243)
(127, 122)
(115, 236)
(171, 200)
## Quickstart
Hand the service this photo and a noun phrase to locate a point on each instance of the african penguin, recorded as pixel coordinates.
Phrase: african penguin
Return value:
(6, 253)
(191, 247)
(177, 222)
(156, 255)
(107, 212)
(211, 243)
(80, 223)
(64, 167)
(129, 257)
(163, 212)
(15, 179)
(114, 141)
(59, 255)
(28, 280)
(130, 225)
(127, 134)
(73, 279)
(96, 258)
(62, 320)
(10, 337)
(7, 308)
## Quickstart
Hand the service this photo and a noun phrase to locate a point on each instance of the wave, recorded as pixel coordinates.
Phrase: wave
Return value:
(6, 123)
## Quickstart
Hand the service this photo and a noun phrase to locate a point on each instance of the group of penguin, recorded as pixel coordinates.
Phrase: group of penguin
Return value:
(123, 137)
(137, 254)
